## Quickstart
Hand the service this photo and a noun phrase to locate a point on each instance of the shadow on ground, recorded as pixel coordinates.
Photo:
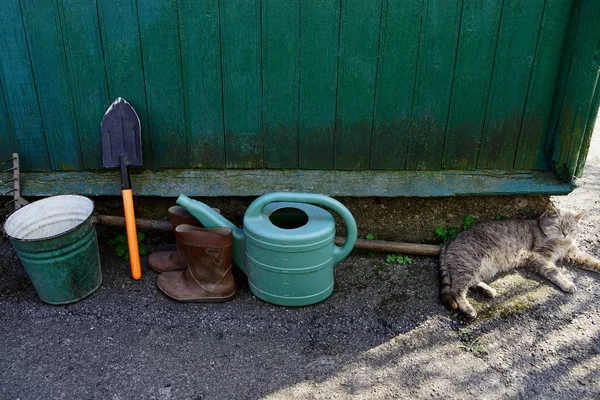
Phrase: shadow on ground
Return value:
(382, 334)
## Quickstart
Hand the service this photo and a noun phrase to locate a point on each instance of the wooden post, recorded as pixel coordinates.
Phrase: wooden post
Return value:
(576, 96)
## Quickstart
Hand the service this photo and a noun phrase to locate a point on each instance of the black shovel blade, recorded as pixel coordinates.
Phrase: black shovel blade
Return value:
(121, 135)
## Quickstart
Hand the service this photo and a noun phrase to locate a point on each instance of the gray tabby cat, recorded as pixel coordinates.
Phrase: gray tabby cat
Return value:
(476, 255)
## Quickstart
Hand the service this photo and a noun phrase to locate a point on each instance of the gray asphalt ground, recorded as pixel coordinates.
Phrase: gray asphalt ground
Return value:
(382, 334)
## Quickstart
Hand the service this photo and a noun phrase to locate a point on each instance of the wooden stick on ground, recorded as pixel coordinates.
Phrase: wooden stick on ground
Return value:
(417, 249)
(140, 223)
(373, 245)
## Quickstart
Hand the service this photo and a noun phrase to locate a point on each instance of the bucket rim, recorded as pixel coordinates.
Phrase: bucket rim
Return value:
(58, 234)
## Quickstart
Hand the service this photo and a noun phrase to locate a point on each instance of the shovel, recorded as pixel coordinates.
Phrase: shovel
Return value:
(121, 147)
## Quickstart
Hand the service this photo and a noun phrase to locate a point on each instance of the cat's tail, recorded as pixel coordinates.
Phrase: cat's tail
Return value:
(445, 289)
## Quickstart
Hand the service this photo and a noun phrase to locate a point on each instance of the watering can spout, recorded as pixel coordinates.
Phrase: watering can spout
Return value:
(212, 219)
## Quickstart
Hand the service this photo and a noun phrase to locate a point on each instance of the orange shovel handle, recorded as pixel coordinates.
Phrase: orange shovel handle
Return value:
(132, 240)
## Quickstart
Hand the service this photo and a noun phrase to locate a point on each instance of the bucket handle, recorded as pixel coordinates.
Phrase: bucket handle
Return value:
(339, 253)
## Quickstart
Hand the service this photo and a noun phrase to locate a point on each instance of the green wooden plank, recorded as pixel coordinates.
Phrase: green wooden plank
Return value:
(280, 76)
(538, 110)
(561, 82)
(319, 38)
(359, 47)
(19, 89)
(123, 62)
(83, 48)
(201, 64)
(44, 34)
(581, 82)
(241, 57)
(7, 146)
(519, 31)
(401, 24)
(244, 182)
(480, 23)
(437, 55)
(589, 131)
(159, 32)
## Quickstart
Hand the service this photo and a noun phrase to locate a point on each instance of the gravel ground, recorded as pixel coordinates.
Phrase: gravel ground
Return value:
(382, 334)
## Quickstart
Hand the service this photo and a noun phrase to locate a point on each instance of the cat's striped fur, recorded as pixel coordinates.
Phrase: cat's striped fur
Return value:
(476, 255)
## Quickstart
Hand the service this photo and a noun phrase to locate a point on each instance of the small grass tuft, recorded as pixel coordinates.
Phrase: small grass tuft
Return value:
(398, 258)
(446, 233)
(469, 222)
(471, 343)
(119, 243)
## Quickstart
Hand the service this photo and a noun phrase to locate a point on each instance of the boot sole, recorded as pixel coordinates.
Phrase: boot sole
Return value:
(160, 271)
(203, 300)
(206, 300)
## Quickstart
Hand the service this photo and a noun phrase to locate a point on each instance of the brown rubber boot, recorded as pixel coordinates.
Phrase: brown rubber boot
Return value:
(163, 261)
(208, 277)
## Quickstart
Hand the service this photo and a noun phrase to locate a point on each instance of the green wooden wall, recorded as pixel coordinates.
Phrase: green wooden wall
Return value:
(330, 85)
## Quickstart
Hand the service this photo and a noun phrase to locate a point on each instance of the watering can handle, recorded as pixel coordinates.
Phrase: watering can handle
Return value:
(339, 253)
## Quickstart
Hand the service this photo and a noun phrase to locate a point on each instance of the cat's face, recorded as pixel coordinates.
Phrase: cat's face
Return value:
(560, 224)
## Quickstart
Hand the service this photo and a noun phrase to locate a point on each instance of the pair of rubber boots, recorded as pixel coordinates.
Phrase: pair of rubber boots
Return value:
(200, 269)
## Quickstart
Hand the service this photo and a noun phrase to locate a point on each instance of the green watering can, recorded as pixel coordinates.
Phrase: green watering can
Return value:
(286, 248)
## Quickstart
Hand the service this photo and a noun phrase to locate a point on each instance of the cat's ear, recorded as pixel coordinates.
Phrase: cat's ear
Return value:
(579, 215)
(551, 211)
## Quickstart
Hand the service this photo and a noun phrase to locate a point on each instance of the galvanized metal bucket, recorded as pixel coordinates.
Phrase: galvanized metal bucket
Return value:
(57, 244)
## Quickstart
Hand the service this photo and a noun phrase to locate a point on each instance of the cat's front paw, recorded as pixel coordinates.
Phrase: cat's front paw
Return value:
(569, 287)
(469, 313)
